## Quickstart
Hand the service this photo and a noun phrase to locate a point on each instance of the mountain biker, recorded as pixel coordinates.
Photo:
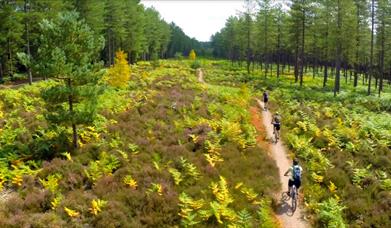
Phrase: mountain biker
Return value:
(295, 172)
(276, 121)
(265, 100)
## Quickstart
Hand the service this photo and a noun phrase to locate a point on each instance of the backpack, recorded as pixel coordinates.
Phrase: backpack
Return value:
(265, 96)
(296, 172)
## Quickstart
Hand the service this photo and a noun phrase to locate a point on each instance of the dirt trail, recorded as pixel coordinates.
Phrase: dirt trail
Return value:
(200, 75)
(279, 154)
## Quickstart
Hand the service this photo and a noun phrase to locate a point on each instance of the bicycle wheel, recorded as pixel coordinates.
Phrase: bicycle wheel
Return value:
(294, 198)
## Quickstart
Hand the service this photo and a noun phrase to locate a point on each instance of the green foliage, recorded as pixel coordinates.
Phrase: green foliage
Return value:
(192, 173)
(68, 51)
(244, 219)
(51, 182)
(265, 215)
(195, 64)
(330, 213)
(176, 175)
(189, 208)
(104, 166)
(138, 147)
(219, 209)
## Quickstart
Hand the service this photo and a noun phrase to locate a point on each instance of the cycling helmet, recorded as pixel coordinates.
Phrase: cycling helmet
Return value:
(277, 113)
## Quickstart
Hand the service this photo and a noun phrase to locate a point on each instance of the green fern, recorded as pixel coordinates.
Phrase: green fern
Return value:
(330, 213)
(104, 166)
(244, 219)
(188, 210)
(176, 175)
(51, 182)
(191, 171)
(265, 215)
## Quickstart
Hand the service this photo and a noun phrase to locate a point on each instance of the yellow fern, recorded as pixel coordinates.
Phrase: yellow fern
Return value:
(67, 155)
(158, 188)
(332, 187)
(129, 181)
(317, 178)
(71, 213)
(96, 206)
(56, 201)
(17, 180)
(221, 192)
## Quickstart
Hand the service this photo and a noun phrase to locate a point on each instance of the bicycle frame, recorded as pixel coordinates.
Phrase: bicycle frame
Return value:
(294, 197)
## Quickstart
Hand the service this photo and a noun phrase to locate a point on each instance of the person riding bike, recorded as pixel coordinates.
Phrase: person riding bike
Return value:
(276, 121)
(265, 100)
(295, 172)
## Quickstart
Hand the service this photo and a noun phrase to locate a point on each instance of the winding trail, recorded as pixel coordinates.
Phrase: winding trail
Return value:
(279, 154)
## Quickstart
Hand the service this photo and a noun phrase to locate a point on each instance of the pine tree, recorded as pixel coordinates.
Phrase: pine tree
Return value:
(119, 74)
(11, 28)
(192, 55)
(68, 52)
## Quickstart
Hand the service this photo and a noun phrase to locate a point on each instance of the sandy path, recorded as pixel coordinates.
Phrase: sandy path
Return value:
(279, 154)
(200, 75)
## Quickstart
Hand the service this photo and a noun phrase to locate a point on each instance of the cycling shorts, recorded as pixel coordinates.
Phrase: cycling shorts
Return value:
(295, 182)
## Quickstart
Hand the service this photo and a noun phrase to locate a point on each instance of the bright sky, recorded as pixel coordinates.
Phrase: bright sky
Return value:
(199, 19)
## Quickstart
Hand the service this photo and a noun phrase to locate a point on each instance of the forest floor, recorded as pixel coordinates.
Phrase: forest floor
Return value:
(284, 213)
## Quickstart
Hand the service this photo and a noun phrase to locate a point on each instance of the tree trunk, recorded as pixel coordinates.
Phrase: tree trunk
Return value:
(356, 64)
(382, 38)
(265, 32)
(10, 63)
(338, 57)
(345, 74)
(325, 76)
(355, 78)
(371, 57)
(26, 10)
(1, 73)
(302, 45)
(296, 70)
(70, 102)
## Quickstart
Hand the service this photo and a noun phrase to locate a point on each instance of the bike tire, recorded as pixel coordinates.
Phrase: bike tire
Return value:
(294, 199)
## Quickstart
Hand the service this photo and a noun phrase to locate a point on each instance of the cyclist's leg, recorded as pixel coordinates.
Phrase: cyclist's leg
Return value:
(290, 184)
(297, 184)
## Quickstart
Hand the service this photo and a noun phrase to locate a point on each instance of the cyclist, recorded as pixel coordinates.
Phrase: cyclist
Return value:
(295, 172)
(265, 100)
(276, 121)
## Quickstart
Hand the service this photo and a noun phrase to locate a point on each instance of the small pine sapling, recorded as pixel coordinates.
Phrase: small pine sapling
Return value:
(119, 74)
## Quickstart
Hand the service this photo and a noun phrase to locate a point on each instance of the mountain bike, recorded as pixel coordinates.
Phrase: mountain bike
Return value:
(294, 195)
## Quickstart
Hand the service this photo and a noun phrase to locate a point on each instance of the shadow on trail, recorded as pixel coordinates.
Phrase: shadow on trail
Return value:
(283, 207)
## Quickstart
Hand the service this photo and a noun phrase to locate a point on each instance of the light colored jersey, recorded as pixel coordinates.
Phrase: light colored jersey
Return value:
(277, 118)
(290, 170)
